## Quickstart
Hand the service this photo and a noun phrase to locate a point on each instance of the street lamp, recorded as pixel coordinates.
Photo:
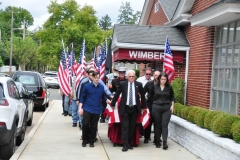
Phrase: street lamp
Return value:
(11, 48)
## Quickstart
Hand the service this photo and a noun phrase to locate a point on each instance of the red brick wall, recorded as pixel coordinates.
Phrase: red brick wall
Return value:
(158, 18)
(200, 65)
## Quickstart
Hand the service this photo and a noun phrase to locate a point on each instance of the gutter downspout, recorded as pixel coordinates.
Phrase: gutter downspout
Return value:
(186, 77)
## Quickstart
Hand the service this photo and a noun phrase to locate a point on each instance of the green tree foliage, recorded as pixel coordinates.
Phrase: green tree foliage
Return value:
(72, 23)
(127, 15)
(105, 23)
(24, 51)
(20, 16)
(1, 62)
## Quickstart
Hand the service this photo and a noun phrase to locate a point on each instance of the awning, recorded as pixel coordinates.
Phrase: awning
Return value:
(144, 56)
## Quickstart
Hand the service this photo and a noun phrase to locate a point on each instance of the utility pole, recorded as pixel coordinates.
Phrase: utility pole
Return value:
(11, 49)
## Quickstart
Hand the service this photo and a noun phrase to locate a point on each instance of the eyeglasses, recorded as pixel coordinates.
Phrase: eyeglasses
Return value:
(148, 74)
(131, 76)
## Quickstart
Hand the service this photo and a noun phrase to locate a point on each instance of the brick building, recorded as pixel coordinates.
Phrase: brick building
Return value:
(210, 64)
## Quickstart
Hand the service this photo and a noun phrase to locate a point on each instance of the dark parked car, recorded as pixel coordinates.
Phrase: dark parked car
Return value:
(27, 97)
(35, 83)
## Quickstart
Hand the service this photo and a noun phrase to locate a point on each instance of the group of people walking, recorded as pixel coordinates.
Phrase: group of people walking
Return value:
(89, 100)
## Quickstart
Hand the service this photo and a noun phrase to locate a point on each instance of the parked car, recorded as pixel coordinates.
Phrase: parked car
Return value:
(51, 79)
(13, 117)
(35, 83)
(28, 100)
(4, 75)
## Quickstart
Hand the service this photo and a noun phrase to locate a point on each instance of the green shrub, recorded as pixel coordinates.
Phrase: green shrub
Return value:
(185, 112)
(137, 72)
(236, 131)
(192, 113)
(1, 62)
(177, 109)
(199, 117)
(209, 117)
(223, 124)
(178, 89)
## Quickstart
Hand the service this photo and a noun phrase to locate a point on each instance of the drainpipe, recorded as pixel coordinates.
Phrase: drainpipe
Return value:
(186, 76)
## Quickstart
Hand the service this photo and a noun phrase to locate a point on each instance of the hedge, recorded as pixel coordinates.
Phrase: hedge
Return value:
(209, 117)
(219, 122)
(236, 131)
(178, 89)
(223, 124)
(199, 117)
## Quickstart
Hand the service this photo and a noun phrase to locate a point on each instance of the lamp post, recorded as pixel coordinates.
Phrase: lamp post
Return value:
(11, 48)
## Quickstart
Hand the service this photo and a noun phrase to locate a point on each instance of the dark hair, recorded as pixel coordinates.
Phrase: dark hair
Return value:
(90, 71)
(163, 75)
(95, 74)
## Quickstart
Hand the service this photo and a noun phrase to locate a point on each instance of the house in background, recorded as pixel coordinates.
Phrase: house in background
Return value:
(211, 55)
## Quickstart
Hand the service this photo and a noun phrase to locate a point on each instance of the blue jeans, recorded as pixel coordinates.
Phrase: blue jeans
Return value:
(75, 116)
(66, 105)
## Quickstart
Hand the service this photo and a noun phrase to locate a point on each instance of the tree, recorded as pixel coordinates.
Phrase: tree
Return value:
(72, 23)
(105, 23)
(127, 15)
(21, 15)
(1, 62)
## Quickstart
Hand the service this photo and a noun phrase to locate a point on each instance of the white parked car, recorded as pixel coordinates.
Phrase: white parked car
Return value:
(51, 79)
(13, 118)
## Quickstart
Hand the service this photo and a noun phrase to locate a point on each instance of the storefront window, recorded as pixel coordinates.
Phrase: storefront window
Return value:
(224, 34)
(231, 32)
(226, 68)
(233, 104)
(238, 31)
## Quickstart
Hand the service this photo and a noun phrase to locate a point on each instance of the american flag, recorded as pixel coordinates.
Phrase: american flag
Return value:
(81, 64)
(103, 60)
(93, 61)
(168, 67)
(73, 61)
(63, 74)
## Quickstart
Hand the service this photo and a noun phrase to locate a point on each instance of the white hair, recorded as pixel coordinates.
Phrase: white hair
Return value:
(130, 71)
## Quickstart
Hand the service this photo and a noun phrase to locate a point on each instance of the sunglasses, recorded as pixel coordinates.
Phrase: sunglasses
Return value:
(131, 76)
(148, 74)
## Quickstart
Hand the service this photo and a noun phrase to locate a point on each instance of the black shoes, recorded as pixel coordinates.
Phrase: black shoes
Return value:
(74, 125)
(69, 114)
(91, 145)
(130, 147)
(165, 146)
(84, 143)
(158, 144)
(65, 114)
(145, 140)
(102, 120)
(125, 148)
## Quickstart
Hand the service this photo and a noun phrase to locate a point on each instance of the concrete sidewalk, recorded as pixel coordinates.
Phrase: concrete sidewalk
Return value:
(54, 138)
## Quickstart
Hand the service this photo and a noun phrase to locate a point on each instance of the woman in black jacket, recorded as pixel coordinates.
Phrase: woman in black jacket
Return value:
(163, 105)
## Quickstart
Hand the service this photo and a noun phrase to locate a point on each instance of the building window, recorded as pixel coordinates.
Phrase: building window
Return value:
(226, 68)
(156, 7)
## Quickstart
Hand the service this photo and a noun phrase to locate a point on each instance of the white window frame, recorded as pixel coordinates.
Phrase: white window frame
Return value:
(224, 94)
(156, 7)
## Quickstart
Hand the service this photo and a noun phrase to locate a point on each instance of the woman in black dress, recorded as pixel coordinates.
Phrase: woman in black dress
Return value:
(163, 105)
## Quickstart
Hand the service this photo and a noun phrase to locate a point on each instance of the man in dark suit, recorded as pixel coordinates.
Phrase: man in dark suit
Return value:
(116, 82)
(130, 106)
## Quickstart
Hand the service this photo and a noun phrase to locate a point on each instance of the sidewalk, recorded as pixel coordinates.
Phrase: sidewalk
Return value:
(54, 138)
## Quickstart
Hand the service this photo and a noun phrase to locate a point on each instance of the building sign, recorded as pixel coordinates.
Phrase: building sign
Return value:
(136, 55)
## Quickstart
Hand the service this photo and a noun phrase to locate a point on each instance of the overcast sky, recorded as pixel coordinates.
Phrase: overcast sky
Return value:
(38, 8)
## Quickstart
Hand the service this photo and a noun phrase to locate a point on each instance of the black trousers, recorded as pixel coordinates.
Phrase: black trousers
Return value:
(161, 114)
(89, 126)
(104, 105)
(147, 131)
(128, 124)
(63, 103)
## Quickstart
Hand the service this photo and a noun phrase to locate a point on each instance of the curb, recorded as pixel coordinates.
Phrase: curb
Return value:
(27, 139)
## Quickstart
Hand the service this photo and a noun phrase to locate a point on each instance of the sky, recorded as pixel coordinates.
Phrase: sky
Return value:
(38, 8)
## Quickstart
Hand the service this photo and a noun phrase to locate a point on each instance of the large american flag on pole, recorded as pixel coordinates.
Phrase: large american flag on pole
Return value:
(103, 60)
(168, 67)
(63, 74)
(81, 64)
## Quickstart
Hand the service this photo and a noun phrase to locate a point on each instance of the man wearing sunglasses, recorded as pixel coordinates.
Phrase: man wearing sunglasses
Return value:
(144, 79)
(116, 82)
